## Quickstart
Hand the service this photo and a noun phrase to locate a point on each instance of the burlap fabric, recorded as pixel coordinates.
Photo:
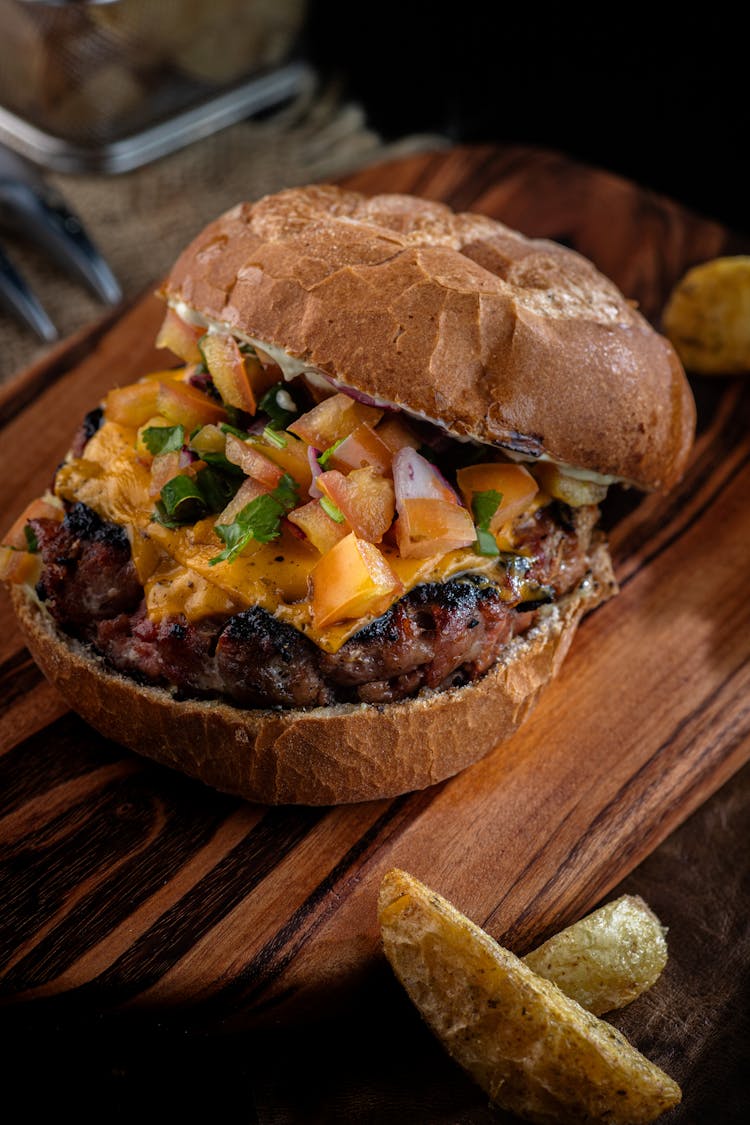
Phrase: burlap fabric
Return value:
(142, 219)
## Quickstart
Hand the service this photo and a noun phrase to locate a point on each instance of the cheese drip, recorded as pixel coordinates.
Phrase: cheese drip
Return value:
(174, 564)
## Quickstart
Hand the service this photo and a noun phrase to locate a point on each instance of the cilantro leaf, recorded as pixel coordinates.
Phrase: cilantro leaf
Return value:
(326, 456)
(217, 487)
(273, 437)
(286, 492)
(219, 462)
(238, 433)
(159, 515)
(259, 520)
(485, 543)
(331, 510)
(483, 506)
(183, 500)
(164, 439)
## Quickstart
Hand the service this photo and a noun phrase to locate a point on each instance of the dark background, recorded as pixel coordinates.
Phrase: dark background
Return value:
(663, 103)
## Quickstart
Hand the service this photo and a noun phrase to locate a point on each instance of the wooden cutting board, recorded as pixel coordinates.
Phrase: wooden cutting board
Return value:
(126, 887)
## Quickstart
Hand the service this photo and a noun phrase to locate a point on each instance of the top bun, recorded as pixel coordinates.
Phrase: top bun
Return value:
(511, 341)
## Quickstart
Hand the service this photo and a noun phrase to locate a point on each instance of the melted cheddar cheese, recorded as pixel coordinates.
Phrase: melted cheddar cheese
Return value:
(174, 564)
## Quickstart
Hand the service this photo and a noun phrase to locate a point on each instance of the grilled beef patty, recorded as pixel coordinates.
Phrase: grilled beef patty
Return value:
(436, 636)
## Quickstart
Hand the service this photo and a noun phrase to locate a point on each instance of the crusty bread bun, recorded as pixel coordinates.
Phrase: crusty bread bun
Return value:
(454, 317)
(514, 343)
(329, 755)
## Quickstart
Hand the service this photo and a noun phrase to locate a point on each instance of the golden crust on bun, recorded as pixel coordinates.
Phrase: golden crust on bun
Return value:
(511, 341)
(327, 755)
(380, 304)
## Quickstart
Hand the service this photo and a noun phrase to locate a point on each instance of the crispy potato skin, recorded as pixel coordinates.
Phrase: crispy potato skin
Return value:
(608, 958)
(707, 317)
(531, 1048)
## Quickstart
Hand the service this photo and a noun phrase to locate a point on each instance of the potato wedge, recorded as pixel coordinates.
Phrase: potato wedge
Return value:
(608, 958)
(707, 317)
(533, 1050)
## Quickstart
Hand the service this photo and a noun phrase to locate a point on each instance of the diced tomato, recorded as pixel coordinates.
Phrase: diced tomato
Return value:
(351, 580)
(186, 406)
(36, 510)
(164, 467)
(132, 405)
(292, 457)
(170, 374)
(361, 447)
(432, 527)
(180, 337)
(365, 499)
(321, 530)
(396, 434)
(19, 566)
(209, 439)
(516, 485)
(333, 419)
(247, 491)
(239, 378)
(252, 462)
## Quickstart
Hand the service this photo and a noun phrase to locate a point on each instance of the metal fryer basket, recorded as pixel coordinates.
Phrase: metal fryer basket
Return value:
(107, 85)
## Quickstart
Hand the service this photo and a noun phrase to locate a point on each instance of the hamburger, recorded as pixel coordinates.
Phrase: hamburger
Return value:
(337, 551)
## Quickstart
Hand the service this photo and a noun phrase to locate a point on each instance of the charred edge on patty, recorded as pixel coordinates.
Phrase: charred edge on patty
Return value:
(439, 635)
(88, 427)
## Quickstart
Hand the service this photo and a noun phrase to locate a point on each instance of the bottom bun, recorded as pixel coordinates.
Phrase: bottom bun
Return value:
(327, 755)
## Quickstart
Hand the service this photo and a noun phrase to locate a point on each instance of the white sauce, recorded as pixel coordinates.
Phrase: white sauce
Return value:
(291, 367)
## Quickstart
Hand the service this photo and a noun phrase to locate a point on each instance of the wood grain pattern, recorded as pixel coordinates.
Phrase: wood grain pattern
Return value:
(127, 887)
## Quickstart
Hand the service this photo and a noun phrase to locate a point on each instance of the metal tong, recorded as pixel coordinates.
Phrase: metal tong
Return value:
(32, 208)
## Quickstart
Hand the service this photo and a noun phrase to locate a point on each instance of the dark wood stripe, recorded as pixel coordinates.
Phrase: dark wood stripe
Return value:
(126, 839)
(487, 166)
(685, 526)
(181, 927)
(715, 466)
(191, 918)
(465, 191)
(425, 173)
(60, 752)
(19, 675)
(137, 837)
(618, 809)
(252, 982)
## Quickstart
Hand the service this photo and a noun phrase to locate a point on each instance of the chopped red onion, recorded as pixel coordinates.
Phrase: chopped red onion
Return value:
(416, 478)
